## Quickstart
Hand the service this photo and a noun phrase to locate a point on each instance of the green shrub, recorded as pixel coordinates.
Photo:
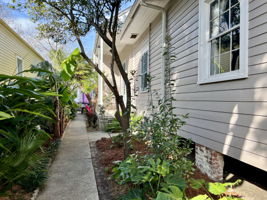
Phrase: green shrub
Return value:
(39, 173)
(113, 126)
(158, 179)
(20, 155)
(161, 131)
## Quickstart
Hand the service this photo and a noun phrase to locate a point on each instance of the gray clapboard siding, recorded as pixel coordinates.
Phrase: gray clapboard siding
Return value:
(254, 4)
(247, 95)
(258, 50)
(248, 121)
(227, 115)
(258, 40)
(260, 10)
(258, 20)
(228, 139)
(155, 54)
(248, 133)
(257, 108)
(256, 31)
(253, 81)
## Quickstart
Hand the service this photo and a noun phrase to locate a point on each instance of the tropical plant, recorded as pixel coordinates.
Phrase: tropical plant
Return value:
(218, 190)
(61, 20)
(147, 173)
(28, 114)
(23, 102)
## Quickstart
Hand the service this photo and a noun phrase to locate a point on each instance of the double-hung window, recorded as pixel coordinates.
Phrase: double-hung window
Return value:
(223, 40)
(19, 66)
(144, 71)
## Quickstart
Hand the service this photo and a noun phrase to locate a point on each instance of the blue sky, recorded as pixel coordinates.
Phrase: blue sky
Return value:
(21, 20)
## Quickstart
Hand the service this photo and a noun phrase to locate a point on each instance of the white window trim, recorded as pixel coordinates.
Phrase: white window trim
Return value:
(204, 46)
(18, 57)
(145, 50)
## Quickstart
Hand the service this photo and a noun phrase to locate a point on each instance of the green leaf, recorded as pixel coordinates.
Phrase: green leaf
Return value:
(176, 180)
(134, 194)
(201, 197)
(76, 52)
(197, 183)
(170, 193)
(216, 188)
(237, 182)
(4, 116)
(30, 112)
(164, 196)
(230, 198)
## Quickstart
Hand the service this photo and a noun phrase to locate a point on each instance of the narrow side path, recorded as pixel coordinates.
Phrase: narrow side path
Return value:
(71, 176)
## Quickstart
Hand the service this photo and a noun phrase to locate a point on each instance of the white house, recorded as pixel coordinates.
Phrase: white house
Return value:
(220, 72)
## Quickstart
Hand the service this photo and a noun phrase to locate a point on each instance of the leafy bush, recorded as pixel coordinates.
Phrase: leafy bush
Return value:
(28, 113)
(113, 126)
(161, 130)
(147, 174)
(158, 179)
(117, 140)
(212, 189)
(39, 172)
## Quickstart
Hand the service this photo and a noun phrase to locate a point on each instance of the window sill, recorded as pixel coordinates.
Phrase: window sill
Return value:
(143, 91)
(222, 78)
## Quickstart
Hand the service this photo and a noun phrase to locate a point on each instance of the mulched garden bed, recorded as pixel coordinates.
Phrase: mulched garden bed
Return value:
(105, 154)
(17, 193)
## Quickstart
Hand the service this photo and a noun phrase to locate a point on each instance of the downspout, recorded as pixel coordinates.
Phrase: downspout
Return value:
(100, 79)
(164, 43)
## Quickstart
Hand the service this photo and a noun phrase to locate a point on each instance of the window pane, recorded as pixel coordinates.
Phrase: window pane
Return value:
(224, 22)
(19, 65)
(214, 27)
(225, 62)
(225, 43)
(214, 66)
(144, 63)
(235, 15)
(235, 38)
(235, 60)
(233, 2)
(214, 9)
(215, 47)
(224, 5)
(145, 81)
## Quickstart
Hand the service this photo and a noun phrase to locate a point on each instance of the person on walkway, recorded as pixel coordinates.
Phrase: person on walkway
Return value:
(92, 116)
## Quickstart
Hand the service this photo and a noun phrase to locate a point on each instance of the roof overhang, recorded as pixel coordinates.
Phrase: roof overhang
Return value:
(137, 22)
(139, 19)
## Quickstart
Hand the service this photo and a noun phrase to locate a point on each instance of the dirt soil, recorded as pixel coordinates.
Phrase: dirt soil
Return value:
(16, 193)
(105, 154)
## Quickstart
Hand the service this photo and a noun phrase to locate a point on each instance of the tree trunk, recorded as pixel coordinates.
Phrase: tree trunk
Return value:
(57, 132)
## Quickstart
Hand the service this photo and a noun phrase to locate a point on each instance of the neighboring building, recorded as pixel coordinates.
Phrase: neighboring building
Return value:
(220, 72)
(16, 54)
(102, 57)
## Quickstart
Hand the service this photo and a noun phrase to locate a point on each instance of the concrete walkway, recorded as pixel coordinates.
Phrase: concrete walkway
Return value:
(71, 176)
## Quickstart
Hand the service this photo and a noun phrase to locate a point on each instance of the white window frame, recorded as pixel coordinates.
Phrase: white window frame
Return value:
(146, 50)
(204, 45)
(17, 69)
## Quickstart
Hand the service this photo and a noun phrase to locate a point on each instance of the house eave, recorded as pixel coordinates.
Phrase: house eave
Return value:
(20, 38)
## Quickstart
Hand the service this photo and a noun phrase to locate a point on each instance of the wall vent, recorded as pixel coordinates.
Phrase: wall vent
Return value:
(133, 35)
